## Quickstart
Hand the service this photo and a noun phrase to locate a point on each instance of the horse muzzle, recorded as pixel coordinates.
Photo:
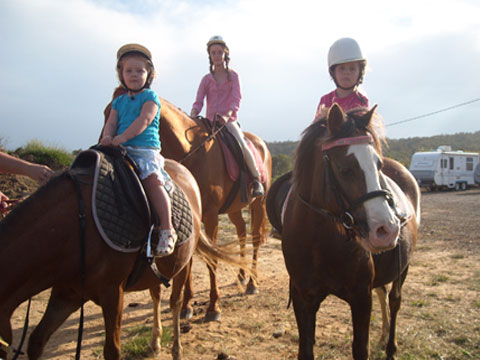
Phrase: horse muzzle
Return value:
(382, 236)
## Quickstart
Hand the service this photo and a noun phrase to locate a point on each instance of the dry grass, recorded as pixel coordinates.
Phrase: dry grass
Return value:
(439, 317)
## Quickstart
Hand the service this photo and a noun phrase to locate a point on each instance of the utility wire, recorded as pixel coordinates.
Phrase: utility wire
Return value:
(434, 112)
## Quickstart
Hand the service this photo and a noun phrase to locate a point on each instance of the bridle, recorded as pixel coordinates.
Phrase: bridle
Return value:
(348, 207)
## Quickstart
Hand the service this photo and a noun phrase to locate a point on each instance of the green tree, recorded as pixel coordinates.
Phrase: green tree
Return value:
(280, 165)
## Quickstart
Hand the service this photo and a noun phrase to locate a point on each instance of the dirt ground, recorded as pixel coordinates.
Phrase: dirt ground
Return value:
(439, 318)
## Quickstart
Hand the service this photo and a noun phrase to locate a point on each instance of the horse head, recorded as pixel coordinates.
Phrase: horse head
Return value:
(345, 179)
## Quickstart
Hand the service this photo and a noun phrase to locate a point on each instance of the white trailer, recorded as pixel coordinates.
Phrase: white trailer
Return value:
(444, 168)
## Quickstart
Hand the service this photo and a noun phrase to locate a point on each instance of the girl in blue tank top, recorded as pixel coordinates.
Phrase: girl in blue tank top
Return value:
(134, 123)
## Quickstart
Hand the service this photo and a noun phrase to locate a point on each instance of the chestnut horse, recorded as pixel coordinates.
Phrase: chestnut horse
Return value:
(47, 253)
(188, 141)
(350, 225)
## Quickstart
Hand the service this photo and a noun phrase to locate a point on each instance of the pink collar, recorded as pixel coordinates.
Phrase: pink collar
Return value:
(367, 139)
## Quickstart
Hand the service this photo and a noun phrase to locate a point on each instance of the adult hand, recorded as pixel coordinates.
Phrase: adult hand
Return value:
(3, 203)
(40, 173)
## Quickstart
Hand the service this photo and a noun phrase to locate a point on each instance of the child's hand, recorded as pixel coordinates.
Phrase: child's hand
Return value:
(106, 141)
(119, 140)
(321, 113)
(193, 113)
(223, 119)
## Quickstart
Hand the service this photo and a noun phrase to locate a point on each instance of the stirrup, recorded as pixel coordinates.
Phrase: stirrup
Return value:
(258, 190)
(166, 243)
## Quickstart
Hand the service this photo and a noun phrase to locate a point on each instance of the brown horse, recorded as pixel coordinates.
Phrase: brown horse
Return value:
(46, 253)
(349, 226)
(186, 140)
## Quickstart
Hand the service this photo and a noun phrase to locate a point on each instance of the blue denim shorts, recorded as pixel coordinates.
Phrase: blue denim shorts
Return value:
(149, 161)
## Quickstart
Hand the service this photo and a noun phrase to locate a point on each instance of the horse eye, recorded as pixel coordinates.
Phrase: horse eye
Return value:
(346, 172)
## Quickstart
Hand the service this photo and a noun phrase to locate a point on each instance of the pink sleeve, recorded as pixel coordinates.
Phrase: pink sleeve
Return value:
(201, 92)
(236, 94)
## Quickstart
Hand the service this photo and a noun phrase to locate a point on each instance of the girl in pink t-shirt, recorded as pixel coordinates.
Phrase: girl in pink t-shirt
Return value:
(221, 87)
(346, 66)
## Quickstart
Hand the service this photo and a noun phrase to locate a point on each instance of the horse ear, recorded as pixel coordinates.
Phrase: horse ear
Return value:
(335, 119)
(365, 119)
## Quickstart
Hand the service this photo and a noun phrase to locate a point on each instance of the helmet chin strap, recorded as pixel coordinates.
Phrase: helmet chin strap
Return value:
(146, 85)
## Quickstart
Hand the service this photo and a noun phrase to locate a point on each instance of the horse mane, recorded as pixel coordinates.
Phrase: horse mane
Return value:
(21, 208)
(171, 107)
(317, 134)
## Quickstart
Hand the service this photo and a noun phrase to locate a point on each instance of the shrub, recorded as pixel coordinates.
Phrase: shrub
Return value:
(53, 157)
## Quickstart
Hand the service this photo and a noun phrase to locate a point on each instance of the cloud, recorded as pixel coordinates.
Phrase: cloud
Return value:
(58, 60)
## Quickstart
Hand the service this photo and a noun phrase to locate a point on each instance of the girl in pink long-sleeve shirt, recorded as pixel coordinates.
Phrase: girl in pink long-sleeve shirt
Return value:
(221, 87)
(346, 66)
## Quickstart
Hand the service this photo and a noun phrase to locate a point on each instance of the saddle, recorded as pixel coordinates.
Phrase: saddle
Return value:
(120, 207)
(234, 161)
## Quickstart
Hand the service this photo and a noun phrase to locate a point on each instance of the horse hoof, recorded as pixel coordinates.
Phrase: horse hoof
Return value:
(251, 290)
(242, 279)
(186, 314)
(212, 316)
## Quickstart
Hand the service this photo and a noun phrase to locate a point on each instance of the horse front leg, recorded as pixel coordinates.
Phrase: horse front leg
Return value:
(395, 299)
(382, 299)
(157, 330)
(61, 305)
(361, 308)
(237, 219)
(305, 314)
(111, 301)
(210, 222)
(6, 335)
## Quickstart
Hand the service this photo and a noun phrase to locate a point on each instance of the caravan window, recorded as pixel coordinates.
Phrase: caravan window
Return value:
(451, 163)
(469, 163)
(443, 163)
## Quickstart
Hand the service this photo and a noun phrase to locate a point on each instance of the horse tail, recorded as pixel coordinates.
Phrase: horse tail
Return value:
(211, 253)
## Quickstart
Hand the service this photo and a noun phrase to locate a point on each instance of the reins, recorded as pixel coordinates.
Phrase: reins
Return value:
(82, 221)
(208, 138)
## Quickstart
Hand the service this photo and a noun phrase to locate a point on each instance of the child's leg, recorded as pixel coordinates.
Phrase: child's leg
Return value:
(249, 158)
(247, 153)
(159, 198)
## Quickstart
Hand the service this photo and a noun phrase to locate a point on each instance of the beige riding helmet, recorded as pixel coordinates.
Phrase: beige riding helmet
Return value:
(344, 50)
(134, 48)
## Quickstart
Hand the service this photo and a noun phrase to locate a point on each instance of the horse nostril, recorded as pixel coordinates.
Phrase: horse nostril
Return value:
(381, 231)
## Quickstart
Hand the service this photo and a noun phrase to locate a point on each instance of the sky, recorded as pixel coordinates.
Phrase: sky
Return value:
(57, 61)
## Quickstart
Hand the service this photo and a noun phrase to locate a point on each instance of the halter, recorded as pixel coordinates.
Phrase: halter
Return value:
(346, 218)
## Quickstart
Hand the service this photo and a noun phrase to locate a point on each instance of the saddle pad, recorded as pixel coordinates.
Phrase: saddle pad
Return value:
(127, 231)
(120, 208)
(182, 217)
(120, 222)
(232, 165)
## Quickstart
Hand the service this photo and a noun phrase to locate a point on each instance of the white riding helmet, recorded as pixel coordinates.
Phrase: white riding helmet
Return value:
(344, 50)
(216, 39)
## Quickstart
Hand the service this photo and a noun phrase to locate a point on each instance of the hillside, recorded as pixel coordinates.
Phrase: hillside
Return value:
(400, 149)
